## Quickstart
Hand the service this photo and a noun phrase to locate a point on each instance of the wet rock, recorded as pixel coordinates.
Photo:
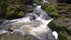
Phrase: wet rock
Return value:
(17, 36)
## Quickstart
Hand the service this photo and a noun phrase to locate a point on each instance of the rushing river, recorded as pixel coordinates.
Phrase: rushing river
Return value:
(35, 23)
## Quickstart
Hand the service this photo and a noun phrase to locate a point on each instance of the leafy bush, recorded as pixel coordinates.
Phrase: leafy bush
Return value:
(11, 9)
(52, 9)
(14, 11)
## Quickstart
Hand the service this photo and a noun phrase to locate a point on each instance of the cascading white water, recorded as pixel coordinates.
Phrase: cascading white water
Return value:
(35, 23)
(44, 1)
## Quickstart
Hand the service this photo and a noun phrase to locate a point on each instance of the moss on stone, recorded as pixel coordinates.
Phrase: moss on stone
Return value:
(17, 36)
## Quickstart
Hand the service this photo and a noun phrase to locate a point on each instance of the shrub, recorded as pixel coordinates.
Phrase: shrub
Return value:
(51, 8)
(11, 9)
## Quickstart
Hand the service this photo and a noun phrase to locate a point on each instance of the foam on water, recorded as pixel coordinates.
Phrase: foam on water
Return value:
(37, 26)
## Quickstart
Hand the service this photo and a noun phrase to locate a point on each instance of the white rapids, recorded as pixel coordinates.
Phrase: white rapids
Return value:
(35, 23)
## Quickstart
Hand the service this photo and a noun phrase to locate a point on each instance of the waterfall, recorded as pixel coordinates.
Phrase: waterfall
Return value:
(45, 1)
(35, 23)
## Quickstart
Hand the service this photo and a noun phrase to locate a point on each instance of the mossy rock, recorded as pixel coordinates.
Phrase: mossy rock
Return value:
(17, 36)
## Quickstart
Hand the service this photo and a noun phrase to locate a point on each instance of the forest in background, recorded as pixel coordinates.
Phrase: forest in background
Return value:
(59, 10)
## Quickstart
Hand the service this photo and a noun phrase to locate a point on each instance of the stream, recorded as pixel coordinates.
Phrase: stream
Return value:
(35, 23)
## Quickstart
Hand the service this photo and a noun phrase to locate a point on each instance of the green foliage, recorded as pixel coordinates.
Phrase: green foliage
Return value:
(63, 6)
(55, 27)
(51, 8)
(14, 8)
(62, 36)
(61, 30)
(62, 22)
(14, 11)
(38, 2)
(56, 8)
